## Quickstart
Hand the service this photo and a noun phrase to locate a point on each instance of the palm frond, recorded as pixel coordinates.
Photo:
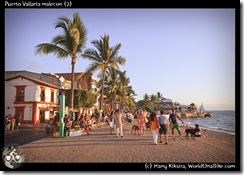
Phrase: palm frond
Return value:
(47, 48)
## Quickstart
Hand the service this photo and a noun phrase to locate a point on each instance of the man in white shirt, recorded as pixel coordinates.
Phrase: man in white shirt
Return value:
(164, 123)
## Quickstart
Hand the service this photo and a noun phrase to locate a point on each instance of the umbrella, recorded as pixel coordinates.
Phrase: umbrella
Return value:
(149, 109)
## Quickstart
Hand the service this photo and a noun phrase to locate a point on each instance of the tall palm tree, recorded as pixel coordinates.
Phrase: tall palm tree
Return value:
(103, 58)
(112, 79)
(69, 43)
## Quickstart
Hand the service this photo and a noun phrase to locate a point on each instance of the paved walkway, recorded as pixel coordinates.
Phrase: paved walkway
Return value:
(100, 146)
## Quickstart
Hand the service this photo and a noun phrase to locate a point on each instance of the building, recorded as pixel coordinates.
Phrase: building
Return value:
(182, 108)
(88, 83)
(36, 101)
(165, 104)
(52, 78)
(15, 83)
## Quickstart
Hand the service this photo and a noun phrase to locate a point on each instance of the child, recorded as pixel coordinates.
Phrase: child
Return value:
(198, 130)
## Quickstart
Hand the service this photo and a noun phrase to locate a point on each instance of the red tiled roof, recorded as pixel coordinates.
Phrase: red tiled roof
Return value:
(67, 76)
(34, 80)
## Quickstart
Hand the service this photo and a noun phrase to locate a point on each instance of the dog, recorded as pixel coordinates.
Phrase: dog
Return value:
(135, 129)
(193, 131)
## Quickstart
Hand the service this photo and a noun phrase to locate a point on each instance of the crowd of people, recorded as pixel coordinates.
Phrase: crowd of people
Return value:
(12, 122)
(158, 125)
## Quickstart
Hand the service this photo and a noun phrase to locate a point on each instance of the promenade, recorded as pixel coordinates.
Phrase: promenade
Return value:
(101, 147)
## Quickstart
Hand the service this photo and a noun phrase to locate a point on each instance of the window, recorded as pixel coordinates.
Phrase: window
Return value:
(52, 95)
(42, 94)
(20, 93)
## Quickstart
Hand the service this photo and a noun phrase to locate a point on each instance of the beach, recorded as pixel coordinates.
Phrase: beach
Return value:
(100, 146)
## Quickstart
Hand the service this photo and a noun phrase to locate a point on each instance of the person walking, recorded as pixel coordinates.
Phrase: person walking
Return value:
(111, 122)
(68, 124)
(154, 126)
(141, 121)
(173, 118)
(12, 123)
(119, 120)
(164, 123)
(83, 124)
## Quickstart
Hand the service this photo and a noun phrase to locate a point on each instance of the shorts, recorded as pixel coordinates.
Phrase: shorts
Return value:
(175, 126)
(142, 125)
(163, 129)
(111, 124)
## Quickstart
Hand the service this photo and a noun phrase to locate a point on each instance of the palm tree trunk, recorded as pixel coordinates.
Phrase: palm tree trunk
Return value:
(72, 85)
(112, 103)
(101, 98)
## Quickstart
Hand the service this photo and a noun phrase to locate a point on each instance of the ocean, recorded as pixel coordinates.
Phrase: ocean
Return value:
(221, 121)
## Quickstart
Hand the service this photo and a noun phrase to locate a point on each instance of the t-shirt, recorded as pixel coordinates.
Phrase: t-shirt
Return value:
(153, 125)
(111, 118)
(163, 119)
(173, 118)
(68, 124)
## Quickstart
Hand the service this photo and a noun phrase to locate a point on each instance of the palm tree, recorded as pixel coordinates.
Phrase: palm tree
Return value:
(159, 96)
(111, 83)
(103, 58)
(146, 97)
(125, 94)
(69, 43)
(193, 107)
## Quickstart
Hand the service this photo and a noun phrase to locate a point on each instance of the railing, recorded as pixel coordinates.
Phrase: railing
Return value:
(19, 98)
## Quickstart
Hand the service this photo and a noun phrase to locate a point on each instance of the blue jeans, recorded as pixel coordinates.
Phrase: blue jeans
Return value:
(65, 131)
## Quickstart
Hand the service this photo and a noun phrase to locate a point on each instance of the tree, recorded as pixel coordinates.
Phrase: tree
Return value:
(69, 43)
(159, 96)
(146, 97)
(111, 83)
(193, 107)
(103, 58)
(82, 99)
(144, 103)
(176, 104)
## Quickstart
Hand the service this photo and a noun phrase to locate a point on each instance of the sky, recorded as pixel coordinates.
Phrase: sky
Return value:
(188, 55)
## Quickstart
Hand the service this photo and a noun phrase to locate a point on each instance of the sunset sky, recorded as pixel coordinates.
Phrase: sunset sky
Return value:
(188, 55)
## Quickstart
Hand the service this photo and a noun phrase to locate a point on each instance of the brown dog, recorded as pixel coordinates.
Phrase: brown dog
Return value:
(135, 129)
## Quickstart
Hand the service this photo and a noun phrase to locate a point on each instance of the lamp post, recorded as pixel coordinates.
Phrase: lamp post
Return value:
(61, 115)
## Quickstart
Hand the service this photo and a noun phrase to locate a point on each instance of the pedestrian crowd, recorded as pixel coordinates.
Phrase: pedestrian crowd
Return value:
(12, 122)
(158, 125)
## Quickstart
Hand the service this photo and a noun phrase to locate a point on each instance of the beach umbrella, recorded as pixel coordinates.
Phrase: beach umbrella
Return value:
(149, 109)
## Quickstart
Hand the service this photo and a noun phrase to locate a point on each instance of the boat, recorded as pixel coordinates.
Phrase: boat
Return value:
(201, 109)
(203, 112)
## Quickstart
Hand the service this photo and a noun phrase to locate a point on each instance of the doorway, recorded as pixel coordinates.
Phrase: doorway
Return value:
(42, 115)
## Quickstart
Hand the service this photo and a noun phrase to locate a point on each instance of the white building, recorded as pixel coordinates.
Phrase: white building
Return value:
(35, 100)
